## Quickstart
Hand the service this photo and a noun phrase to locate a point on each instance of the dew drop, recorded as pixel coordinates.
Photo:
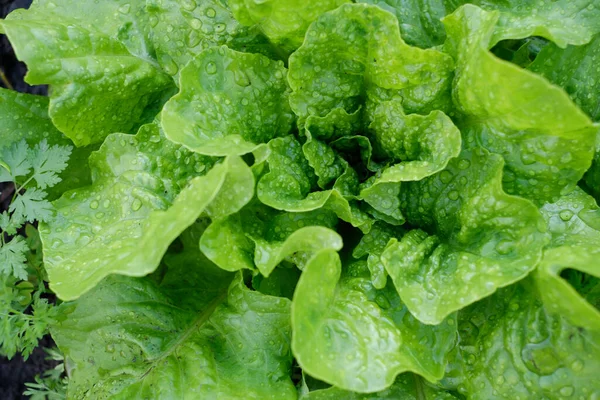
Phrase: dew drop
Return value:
(220, 28)
(577, 365)
(193, 39)
(189, 5)
(453, 195)
(94, 205)
(196, 23)
(566, 215)
(153, 20)
(464, 164)
(445, 176)
(210, 12)
(567, 391)
(169, 65)
(125, 8)
(137, 204)
(505, 247)
(211, 68)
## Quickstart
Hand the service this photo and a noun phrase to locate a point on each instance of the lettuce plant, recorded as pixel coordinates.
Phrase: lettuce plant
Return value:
(243, 199)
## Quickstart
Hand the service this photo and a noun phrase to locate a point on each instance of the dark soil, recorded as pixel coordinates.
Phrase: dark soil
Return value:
(16, 372)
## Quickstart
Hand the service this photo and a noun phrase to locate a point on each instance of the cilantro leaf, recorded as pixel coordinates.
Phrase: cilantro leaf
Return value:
(13, 258)
(18, 160)
(31, 206)
(47, 162)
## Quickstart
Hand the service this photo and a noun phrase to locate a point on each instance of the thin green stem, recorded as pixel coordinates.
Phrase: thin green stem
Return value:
(23, 185)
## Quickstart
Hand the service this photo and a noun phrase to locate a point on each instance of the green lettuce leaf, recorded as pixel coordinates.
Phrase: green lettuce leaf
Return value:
(146, 191)
(283, 21)
(545, 139)
(513, 346)
(575, 69)
(562, 21)
(423, 144)
(347, 333)
(477, 238)
(261, 237)
(345, 63)
(229, 103)
(182, 29)
(25, 116)
(420, 20)
(134, 338)
(289, 183)
(372, 245)
(99, 69)
(574, 222)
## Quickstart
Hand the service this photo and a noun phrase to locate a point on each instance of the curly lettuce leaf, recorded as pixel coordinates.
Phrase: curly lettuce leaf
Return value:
(422, 146)
(289, 183)
(372, 245)
(575, 69)
(135, 338)
(420, 20)
(345, 63)
(347, 333)
(562, 21)
(182, 29)
(283, 22)
(406, 387)
(546, 140)
(25, 116)
(146, 191)
(574, 222)
(513, 346)
(260, 237)
(477, 238)
(229, 103)
(102, 79)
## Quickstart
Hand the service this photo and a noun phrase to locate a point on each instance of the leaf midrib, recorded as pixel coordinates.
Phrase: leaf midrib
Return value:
(198, 322)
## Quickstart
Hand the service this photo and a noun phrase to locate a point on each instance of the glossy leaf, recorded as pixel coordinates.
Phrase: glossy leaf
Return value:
(372, 245)
(420, 20)
(262, 237)
(288, 184)
(482, 238)
(132, 338)
(574, 222)
(511, 345)
(229, 103)
(546, 140)
(347, 333)
(144, 195)
(344, 63)
(574, 69)
(562, 21)
(182, 29)
(99, 69)
(284, 22)
(423, 145)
